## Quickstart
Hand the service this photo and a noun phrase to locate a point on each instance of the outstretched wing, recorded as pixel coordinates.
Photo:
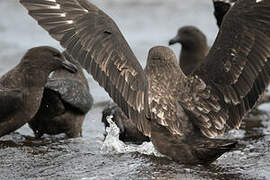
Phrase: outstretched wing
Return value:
(237, 69)
(221, 7)
(92, 38)
(10, 100)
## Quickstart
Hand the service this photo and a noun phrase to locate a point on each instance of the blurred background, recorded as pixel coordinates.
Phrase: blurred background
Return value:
(144, 23)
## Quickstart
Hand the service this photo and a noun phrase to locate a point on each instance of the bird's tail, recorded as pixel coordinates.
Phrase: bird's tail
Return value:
(209, 150)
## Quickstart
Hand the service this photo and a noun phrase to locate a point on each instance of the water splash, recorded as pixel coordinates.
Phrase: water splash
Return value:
(112, 144)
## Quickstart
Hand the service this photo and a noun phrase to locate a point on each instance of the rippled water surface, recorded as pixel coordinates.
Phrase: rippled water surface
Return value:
(144, 23)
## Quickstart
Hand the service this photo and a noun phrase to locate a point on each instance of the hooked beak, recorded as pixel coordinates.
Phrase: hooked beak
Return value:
(69, 66)
(176, 39)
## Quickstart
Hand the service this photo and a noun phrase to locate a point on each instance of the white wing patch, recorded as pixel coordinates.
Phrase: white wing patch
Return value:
(57, 6)
(70, 21)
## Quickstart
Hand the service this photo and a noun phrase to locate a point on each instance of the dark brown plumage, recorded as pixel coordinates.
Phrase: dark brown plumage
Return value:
(66, 100)
(194, 48)
(22, 87)
(194, 42)
(181, 114)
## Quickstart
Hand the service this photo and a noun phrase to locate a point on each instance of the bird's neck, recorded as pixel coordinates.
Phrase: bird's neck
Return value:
(34, 76)
(34, 80)
(191, 58)
(195, 46)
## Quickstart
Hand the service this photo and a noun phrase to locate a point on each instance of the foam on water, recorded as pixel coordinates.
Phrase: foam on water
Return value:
(112, 144)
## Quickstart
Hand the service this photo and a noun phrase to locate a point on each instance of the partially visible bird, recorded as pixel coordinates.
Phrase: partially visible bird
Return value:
(65, 102)
(193, 40)
(21, 89)
(194, 48)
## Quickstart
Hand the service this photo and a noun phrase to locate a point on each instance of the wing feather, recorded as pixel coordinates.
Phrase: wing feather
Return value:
(11, 100)
(72, 92)
(91, 37)
(236, 69)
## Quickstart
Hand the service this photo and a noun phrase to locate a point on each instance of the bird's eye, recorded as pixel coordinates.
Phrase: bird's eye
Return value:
(57, 54)
(186, 32)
